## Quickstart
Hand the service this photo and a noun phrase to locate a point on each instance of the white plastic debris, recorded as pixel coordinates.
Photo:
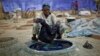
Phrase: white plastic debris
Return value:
(85, 13)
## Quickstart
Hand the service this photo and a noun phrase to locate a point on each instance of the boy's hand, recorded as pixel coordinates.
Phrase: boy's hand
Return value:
(38, 20)
(34, 37)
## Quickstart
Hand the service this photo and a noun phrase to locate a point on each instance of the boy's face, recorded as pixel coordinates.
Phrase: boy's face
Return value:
(46, 11)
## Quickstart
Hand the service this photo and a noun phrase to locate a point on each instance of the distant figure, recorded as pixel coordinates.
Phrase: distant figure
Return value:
(16, 15)
(75, 6)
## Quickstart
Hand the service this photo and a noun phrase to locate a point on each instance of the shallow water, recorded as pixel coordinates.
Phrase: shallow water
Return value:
(55, 45)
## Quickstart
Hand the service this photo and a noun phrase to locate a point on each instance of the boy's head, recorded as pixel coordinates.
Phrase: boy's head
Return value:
(46, 9)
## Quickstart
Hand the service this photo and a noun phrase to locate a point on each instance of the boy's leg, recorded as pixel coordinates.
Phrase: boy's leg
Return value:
(58, 32)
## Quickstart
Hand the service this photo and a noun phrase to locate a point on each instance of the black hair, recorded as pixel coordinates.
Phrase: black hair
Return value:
(45, 5)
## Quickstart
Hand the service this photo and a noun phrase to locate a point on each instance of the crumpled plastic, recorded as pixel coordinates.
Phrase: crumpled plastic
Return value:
(83, 28)
(77, 23)
(83, 32)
